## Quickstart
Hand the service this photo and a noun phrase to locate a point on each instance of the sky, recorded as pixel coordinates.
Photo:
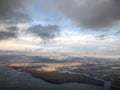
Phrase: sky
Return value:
(57, 27)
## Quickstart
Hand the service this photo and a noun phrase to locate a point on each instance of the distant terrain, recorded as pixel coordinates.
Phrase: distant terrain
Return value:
(99, 72)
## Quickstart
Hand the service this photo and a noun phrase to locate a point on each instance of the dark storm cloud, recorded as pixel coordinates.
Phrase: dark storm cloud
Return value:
(12, 11)
(44, 32)
(8, 33)
(91, 14)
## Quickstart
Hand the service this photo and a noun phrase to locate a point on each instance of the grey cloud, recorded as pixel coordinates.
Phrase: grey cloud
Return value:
(40, 49)
(12, 28)
(8, 33)
(91, 14)
(12, 11)
(101, 37)
(44, 32)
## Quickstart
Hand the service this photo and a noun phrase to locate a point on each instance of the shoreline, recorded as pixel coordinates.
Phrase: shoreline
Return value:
(61, 78)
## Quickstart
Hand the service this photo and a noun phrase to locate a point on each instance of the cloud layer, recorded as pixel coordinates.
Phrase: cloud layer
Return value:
(74, 25)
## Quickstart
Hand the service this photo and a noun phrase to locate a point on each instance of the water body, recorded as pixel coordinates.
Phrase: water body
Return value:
(14, 80)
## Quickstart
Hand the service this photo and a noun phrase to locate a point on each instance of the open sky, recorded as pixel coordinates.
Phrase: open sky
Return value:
(77, 27)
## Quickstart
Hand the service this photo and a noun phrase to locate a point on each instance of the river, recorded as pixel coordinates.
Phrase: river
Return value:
(107, 84)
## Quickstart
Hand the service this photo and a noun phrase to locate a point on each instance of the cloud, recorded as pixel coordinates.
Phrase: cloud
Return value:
(44, 32)
(101, 37)
(91, 14)
(8, 33)
(13, 11)
(118, 32)
(106, 36)
(12, 28)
